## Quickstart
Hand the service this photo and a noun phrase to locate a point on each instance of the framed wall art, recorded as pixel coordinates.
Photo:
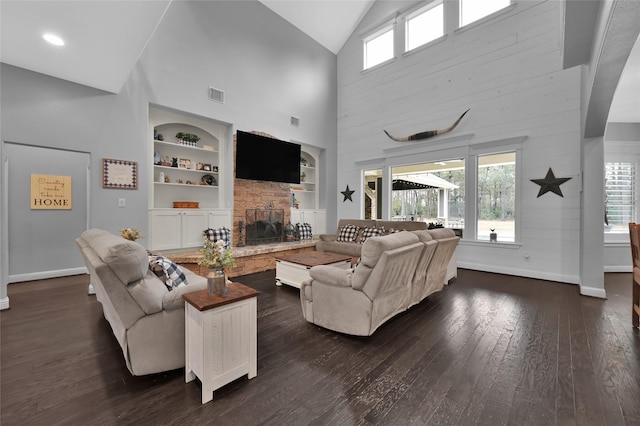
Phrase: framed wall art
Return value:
(119, 174)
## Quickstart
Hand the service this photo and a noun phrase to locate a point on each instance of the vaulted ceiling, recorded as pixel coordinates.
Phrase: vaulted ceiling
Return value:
(106, 38)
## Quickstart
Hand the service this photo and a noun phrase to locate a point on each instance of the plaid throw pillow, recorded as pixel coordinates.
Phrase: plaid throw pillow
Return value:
(371, 232)
(223, 234)
(304, 231)
(347, 233)
(173, 275)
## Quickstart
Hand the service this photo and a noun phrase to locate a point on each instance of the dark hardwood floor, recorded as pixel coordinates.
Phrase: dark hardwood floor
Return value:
(489, 349)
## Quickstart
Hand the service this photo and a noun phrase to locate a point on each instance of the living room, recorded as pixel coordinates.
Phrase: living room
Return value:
(509, 71)
(309, 82)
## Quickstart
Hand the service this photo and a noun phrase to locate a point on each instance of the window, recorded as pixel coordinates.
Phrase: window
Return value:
(378, 47)
(472, 10)
(424, 25)
(620, 196)
(373, 194)
(496, 196)
(473, 188)
(430, 192)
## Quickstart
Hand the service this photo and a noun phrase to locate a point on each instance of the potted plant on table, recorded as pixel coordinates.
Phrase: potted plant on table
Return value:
(493, 236)
(130, 234)
(216, 257)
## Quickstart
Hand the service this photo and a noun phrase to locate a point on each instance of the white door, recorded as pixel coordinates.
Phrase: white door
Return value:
(41, 243)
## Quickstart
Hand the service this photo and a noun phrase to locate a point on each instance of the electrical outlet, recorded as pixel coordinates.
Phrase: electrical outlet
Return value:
(122, 202)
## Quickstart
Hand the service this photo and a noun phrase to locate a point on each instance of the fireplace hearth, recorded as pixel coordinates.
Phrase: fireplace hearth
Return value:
(264, 226)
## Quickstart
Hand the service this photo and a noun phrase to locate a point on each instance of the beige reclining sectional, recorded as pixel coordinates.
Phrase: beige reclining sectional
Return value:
(395, 272)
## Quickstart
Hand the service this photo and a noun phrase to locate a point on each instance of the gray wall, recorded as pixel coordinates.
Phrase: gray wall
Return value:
(268, 69)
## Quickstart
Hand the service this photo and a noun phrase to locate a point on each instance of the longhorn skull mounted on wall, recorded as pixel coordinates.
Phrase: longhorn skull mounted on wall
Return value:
(429, 133)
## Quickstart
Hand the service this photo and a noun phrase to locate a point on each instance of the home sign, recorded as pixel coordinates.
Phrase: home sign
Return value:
(50, 192)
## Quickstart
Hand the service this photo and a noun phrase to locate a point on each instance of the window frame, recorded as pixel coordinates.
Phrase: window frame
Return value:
(379, 32)
(470, 155)
(482, 18)
(491, 148)
(419, 12)
(621, 152)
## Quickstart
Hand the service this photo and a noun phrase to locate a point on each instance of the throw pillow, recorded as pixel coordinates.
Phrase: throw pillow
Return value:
(223, 234)
(174, 277)
(394, 230)
(304, 231)
(348, 233)
(371, 232)
(157, 269)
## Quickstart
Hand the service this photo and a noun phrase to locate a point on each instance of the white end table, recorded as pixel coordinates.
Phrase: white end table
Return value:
(221, 340)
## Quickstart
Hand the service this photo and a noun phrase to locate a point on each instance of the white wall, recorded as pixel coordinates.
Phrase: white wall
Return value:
(268, 69)
(509, 72)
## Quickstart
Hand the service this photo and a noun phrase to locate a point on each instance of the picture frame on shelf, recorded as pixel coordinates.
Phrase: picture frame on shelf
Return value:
(200, 166)
(206, 167)
(184, 163)
(215, 169)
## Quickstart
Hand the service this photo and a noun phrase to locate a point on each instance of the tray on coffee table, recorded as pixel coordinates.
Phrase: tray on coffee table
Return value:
(293, 269)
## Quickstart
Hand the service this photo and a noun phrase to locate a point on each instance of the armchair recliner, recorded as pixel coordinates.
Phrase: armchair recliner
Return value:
(359, 300)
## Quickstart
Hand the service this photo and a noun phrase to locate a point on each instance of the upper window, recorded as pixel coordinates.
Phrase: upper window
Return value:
(378, 47)
(424, 25)
(472, 10)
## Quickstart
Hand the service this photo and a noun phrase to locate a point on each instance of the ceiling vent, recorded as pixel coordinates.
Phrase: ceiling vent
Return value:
(295, 121)
(216, 95)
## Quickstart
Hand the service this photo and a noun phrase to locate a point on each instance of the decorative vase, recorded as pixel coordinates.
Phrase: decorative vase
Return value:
(493, 237)
(216, 282)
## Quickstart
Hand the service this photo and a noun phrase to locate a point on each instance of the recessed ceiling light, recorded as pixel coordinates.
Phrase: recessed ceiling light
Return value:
(53, 39)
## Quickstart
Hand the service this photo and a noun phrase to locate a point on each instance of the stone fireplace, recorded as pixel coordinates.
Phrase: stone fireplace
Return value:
(264, 226)
(261, 198)
(258, 195)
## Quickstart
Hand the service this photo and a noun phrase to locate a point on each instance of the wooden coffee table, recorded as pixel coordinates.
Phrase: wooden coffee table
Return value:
(294, 268)
(221, 338)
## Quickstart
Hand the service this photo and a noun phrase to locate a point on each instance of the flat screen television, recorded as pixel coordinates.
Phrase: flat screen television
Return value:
(262, 158)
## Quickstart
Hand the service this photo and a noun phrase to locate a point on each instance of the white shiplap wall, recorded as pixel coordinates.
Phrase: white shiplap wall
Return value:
(508, 70)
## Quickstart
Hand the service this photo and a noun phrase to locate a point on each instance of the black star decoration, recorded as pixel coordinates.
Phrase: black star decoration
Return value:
(347, 194)
(550, 183)
(270, 225)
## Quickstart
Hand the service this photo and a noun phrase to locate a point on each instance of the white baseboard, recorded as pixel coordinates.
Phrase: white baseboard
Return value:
(18, 278)
(618, 268)
(569, 279)
(4, 303)
(593, 292)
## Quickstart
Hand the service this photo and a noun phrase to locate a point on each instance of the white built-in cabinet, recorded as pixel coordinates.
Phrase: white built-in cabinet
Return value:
(198, 178)
(317, 218)
(304, 196)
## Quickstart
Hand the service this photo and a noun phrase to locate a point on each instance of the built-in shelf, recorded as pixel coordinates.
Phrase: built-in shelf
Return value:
(175, 228)
(187, 185)
(178, 145)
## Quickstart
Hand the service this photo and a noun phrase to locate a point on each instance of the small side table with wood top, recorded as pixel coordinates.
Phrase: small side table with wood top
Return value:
(221, 340)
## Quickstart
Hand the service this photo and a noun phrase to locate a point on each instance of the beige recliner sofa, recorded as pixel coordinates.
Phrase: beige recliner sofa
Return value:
(435, 264)
(146, 318)
(395, 272)
(330, 243)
